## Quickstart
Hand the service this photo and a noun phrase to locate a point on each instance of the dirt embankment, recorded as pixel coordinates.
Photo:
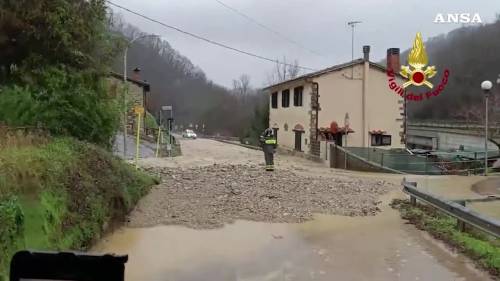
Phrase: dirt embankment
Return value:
(60, 193)
(210, 196)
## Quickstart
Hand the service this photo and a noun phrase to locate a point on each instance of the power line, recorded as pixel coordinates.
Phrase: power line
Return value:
(277, 33)
(208, 40)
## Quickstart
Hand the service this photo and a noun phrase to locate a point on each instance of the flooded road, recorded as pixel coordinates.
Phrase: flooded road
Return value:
(465, 187)
(327, 248)
(490, 186)
(380, 247)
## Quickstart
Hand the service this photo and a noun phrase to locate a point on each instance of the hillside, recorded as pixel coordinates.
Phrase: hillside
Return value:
(176, 81)
(472, 54)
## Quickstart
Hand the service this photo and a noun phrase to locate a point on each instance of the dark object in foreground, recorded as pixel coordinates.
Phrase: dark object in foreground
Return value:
(66, 266)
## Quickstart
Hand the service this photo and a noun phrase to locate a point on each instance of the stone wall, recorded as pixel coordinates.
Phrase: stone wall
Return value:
(135, 97)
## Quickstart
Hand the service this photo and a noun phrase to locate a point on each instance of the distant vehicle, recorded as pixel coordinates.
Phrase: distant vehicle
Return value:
(189, 134)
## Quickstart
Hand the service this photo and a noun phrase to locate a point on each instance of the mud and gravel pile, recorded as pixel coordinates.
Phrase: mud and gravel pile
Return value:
(210, 196)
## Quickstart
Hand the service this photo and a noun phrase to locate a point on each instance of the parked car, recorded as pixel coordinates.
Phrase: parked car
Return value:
(189, 134)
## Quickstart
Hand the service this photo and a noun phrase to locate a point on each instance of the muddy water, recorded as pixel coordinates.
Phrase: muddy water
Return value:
(490, 209)
(461, 187)
(449, 187)
(490, 186)
(327, 248)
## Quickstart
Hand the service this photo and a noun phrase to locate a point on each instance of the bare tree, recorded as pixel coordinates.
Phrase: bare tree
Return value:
(283, 70)
(242, 85)
(245, 84)
(293, 69)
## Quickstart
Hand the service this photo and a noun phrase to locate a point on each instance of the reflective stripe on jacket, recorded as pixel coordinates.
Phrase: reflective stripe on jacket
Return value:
(270, 141)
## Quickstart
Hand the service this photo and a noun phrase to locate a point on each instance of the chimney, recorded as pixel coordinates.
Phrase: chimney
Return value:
(136, 75)
(366, 53)
(393, 59)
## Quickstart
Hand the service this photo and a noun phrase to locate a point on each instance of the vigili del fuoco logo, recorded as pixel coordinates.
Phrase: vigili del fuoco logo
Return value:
(418, 73)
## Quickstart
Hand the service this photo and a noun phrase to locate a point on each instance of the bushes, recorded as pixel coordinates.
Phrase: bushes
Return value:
(150, 121)
(11, 230)
(259, 123)
(65, 103)
(55, 56)
(66, 191)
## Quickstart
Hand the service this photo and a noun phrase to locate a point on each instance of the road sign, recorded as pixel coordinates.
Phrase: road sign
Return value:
(166, 107)
(138, 109)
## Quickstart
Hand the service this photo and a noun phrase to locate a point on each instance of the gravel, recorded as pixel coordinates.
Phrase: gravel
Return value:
(211, 196)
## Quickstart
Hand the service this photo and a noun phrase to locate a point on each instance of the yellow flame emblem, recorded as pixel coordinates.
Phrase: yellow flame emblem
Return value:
(417, 59)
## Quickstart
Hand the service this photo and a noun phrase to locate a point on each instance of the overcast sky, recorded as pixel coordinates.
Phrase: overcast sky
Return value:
(320, 25)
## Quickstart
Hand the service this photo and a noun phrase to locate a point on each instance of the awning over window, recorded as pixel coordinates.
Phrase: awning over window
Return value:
(377, 132)
(298, 128)
(338, 130)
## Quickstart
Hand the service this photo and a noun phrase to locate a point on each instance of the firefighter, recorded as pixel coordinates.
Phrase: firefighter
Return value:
(268, 143)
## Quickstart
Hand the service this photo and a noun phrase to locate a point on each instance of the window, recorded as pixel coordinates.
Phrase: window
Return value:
(297, 96)
(285, 98)
(381, 140)
(274, 100)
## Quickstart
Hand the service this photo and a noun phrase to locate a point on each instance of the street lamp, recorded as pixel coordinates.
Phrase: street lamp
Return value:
(486, 87)
(125, 85)
(346, 130)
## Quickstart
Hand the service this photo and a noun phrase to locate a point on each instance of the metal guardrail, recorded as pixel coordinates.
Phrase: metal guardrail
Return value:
(452, 124)
(460, 212)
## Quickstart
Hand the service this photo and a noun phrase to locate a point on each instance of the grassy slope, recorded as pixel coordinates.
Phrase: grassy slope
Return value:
(61, 194)
(483, 249)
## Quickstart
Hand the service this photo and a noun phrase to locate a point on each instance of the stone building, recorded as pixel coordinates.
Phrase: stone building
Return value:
(138, 93)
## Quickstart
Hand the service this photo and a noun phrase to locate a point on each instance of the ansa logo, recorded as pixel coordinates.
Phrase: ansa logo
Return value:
(417, 73)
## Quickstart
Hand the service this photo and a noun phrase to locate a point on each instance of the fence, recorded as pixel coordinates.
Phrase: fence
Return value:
(433, 163)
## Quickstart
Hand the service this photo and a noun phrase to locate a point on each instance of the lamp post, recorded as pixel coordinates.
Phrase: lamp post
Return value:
(486, 87)
(125, 89)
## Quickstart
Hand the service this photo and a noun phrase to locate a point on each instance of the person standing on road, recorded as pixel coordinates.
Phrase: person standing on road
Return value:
(268, 142)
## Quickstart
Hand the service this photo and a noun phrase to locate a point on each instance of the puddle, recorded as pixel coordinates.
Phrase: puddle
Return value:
(490, 186)
(327, 248)
(490, 209)
(449, 187)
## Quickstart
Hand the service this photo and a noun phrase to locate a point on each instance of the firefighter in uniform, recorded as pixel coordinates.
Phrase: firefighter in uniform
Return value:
(269, 143)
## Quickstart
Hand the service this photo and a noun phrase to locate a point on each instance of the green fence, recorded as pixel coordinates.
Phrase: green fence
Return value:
(433, 163)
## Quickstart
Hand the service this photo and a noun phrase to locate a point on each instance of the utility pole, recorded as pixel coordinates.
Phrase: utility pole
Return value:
(352, 24)
(486, 87)
(125, 90)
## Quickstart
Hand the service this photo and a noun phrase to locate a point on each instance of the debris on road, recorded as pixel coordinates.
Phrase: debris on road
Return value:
(210, 196)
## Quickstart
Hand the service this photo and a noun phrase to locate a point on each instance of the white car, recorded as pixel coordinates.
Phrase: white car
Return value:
(189, 134)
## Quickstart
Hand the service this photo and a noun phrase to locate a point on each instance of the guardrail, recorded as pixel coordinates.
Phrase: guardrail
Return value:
(453, 124)
(464, 215)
